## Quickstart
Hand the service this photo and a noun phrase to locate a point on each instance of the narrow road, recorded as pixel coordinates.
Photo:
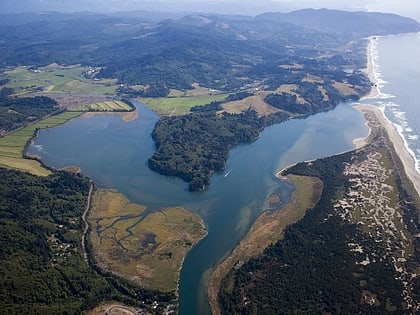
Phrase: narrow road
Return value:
(85, 230)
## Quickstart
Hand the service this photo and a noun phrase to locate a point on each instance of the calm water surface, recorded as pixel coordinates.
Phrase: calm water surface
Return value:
(114, 153)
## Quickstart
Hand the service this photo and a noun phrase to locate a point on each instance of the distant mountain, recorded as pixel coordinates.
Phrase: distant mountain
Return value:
(342, 22)
(356, 24)
(217, 51)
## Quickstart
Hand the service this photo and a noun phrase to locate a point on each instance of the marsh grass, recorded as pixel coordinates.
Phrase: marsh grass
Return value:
(145, 247)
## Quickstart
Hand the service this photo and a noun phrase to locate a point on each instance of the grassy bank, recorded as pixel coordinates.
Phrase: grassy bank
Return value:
(267, 229)
(12, 145)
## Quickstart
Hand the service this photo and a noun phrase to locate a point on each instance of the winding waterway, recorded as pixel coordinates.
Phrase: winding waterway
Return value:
(114, 153)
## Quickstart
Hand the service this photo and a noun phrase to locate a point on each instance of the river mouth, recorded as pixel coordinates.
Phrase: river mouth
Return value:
(114, 154)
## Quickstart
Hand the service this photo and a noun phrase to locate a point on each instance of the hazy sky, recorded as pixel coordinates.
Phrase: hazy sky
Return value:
(409, 8)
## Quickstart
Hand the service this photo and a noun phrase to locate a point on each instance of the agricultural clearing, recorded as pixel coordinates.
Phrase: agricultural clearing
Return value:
(56, 79)
(179, 105)
(145, 247)
(13, 145)
(105, 106)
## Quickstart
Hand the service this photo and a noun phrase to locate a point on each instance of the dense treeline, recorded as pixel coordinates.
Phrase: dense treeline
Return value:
(41, 262)
(193, 146)
(312, 270)
(17, 112)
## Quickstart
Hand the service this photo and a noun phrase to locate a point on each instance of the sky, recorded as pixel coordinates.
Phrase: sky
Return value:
(409, 8)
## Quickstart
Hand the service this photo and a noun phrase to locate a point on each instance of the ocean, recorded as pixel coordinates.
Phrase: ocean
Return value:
(396, 65)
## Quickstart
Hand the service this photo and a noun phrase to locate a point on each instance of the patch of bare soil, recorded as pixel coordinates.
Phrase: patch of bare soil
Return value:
(255, 102)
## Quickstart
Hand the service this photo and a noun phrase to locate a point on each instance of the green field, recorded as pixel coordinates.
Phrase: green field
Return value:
(179, 105)
(12, 145)
(106, 106)
(56, 79)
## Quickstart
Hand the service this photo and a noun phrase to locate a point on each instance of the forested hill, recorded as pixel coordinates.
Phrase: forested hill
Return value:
(215, 51)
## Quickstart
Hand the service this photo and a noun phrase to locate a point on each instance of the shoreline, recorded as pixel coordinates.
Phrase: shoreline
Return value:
(267, 229)
(394, 137)
(397, 140)
(370, 68)
(398, 144)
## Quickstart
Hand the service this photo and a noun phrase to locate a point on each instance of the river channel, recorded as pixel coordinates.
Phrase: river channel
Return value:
(114, 154)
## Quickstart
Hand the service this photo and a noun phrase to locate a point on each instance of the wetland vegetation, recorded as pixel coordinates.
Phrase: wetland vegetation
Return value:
(145, 247)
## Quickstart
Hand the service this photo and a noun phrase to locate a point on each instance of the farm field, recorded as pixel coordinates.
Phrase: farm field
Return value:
(147, 248)
(56, 79)
(179, 105)
(105, 106)
(12, 145)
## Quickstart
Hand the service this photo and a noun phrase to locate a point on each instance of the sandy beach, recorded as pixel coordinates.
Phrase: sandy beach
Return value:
(370, 68)
(398, 143)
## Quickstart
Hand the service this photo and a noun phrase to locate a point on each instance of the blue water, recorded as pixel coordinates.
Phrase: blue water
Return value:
(397, 69)
(114, 153)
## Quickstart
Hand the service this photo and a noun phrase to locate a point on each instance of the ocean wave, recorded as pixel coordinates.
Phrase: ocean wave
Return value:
(413, 137)
(384, 96)
(400, 130)
(407, 146)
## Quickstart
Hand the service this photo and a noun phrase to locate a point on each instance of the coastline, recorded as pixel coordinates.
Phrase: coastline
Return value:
(394, 136)
(370, 68)
(247, 249)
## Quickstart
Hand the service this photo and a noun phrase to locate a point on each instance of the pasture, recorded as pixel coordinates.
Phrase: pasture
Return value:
(13, 144)
(105, 106)
(56, 79)
(179, 105)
